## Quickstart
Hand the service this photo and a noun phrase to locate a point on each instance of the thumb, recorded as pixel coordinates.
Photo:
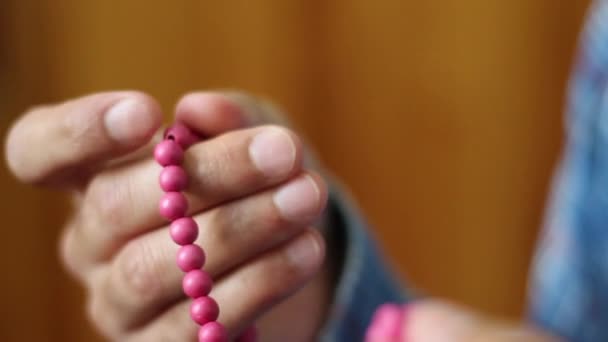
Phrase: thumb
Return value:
(211, 113)
(439, 321)
(216, 112)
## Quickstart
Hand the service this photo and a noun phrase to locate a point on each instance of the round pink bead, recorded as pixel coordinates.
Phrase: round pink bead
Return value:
(190, 257)
(168, 152)
(204, 310)
(387, 323)
(173, 205)
(212, 332)
(249, 335)
(173, 178)
(197, 283)
(184, 231)
(184, 136)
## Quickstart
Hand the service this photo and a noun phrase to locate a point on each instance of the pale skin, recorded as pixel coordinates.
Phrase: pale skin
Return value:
(263, 250)
(441, 321)
(117, 245)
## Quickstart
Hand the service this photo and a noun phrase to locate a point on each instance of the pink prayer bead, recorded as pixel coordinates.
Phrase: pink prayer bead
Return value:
(168, 152)
(212, 332)
(184, 231)
(387, 323)
(173, 178)
(190, 257)
(173, 205)
(181, 134)
(204, 310)
(249, 335)
(197, 283)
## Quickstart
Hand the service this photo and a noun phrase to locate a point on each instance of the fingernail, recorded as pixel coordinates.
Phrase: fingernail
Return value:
(299, 199)
(304, 252)
(127, 121)
(387, 324)
(273, 152)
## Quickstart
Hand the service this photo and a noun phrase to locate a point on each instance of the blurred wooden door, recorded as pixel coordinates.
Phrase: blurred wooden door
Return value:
(444, 118)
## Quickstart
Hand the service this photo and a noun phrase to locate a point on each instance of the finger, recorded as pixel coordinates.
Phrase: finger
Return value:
(58, 143)
(123, 202)
(248, 292)
(74, 254)
(140, 154)
(73, 248)
(143, 277)
(212, 113)
(435, 320)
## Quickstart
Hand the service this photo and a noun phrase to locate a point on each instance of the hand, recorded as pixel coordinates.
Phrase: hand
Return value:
(437, 321)
(248, 191)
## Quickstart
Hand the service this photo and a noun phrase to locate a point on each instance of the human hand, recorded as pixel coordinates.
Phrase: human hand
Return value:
(437, 321)
(249, 192)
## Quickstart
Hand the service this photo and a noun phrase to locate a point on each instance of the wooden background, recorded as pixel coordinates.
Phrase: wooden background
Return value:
(444, 117)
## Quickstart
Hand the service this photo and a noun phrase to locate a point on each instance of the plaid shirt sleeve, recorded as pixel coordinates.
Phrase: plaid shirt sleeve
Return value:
(569, 282)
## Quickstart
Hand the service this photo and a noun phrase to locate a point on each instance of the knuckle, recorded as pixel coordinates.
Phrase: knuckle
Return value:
(101, 318)
(139, 272)
(108, 201)
(16, 148)
(67, 253)
(225, 154)
(211, 162)
(76, 130)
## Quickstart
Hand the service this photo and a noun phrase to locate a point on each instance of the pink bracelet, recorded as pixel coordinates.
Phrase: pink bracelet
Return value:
(173, 206)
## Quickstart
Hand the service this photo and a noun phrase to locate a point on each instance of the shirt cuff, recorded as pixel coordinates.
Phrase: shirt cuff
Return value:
(364, 282)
